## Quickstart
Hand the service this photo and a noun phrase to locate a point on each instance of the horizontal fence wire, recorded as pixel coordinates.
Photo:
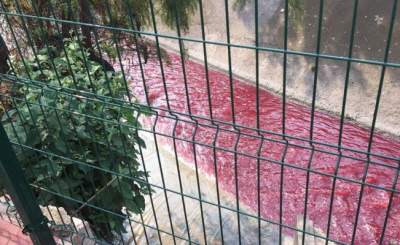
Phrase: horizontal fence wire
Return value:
(176, 125)
(189, 39)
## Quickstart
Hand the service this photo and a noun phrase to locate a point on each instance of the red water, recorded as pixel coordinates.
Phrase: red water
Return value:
(326, 129)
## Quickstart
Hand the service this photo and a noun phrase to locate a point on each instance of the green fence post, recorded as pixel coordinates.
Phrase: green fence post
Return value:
(21, 194)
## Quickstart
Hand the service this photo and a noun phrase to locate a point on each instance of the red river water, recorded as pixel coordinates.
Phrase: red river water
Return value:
(381, 171)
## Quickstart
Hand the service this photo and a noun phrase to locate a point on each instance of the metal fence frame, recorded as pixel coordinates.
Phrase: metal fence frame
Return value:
(31, 214)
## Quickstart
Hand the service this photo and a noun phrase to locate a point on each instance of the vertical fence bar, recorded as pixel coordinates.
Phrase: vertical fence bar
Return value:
(375, 116)
(285, 46)
(232, 102)
(21, 194)
(342, 118)
(146, 93)
(181, 48)
(154, 24)
(257, 56)
(311, 136)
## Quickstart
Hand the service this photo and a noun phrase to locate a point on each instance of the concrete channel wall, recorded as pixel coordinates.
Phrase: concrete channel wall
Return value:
(372, 25)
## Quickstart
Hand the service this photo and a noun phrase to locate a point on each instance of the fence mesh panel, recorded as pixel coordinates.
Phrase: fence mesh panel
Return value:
(126, 141)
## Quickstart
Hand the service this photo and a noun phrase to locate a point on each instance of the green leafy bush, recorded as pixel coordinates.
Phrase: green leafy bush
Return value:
(52, 112)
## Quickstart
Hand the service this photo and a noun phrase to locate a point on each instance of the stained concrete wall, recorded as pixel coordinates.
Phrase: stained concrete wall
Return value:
(371, 31)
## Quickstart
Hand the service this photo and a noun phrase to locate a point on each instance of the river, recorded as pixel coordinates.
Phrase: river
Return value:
(298, 154)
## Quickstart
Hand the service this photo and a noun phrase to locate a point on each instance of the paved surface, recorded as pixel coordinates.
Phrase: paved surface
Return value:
(193, 211)
(195, 228)
(12, 235)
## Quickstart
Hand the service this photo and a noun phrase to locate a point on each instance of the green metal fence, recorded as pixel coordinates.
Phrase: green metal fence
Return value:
(76, 127)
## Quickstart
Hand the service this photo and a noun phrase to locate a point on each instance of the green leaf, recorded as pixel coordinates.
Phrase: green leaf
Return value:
(60, 118)
(10, 115)
(139, 200)
(33, 138)
(81, 131)
(61, 146)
